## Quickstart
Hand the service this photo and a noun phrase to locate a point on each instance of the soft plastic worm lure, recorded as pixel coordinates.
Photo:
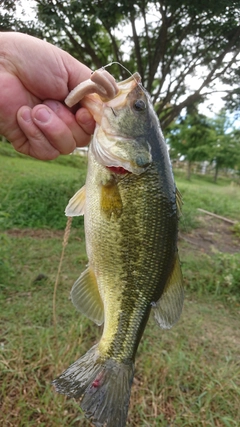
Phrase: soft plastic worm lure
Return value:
(100, 82)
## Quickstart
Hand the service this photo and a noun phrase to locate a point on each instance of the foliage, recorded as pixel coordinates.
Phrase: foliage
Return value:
(224, 146)
(7, 13)
(196, 137)
(10, 21)
(169, 42)
(189, 138)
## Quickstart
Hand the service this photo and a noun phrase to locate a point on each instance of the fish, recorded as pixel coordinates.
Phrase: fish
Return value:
(131, 209)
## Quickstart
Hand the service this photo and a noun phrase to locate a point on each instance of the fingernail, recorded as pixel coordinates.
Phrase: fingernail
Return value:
(26, 115)
(42, 115)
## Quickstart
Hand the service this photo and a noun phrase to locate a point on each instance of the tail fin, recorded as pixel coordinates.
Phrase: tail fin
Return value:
(105, 388)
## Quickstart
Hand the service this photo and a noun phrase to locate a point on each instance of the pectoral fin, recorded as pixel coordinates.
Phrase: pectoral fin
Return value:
(76, 204)
(86, 298)
(168, 308)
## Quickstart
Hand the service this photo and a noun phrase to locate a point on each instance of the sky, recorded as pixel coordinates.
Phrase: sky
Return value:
(27, 8)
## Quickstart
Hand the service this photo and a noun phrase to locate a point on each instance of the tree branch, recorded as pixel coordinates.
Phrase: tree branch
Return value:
(137, 46)
(143, 10)
(171, 114)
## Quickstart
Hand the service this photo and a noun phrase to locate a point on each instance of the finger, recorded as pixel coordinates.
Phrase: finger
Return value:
(81, 130)
(54, 129)
(33, 142)
(86, 121)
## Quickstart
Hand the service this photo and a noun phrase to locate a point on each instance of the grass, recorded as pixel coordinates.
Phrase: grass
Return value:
(217, 274)
(186, 377)
(222, 198)
(34, 194)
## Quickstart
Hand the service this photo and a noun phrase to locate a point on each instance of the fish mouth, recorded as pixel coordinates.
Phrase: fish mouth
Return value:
(118, 170)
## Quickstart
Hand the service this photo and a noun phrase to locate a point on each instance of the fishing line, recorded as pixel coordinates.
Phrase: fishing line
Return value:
(64, 244)
(117, 63)
(126, 69)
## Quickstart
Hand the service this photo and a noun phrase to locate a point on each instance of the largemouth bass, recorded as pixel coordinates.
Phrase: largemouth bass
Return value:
(131, 209)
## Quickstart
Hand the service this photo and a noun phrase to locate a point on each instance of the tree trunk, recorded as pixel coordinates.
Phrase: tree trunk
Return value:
(216, 173)
(189, 164)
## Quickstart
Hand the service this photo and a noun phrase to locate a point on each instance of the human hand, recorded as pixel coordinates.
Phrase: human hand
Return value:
(35, 79)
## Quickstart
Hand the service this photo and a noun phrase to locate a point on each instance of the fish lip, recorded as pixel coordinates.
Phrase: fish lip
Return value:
(94, 105)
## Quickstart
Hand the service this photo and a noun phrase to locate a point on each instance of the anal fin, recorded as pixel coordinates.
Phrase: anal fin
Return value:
(179, 202)
(168, 308)
(86, 298)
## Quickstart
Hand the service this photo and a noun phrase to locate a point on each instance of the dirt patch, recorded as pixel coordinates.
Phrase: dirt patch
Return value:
(212, 235)
(35, 233)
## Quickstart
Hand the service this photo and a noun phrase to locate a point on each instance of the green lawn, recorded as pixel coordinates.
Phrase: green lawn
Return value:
(222, 198)
(188, 376)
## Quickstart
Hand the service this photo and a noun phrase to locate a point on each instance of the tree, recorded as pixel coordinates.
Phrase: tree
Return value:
(189, 138)
(7, 15)
(196, 138)
(224, 145)
(168, 41)
(9, 21)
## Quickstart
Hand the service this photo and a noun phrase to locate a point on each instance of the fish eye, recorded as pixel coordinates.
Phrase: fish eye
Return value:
(139, 105)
